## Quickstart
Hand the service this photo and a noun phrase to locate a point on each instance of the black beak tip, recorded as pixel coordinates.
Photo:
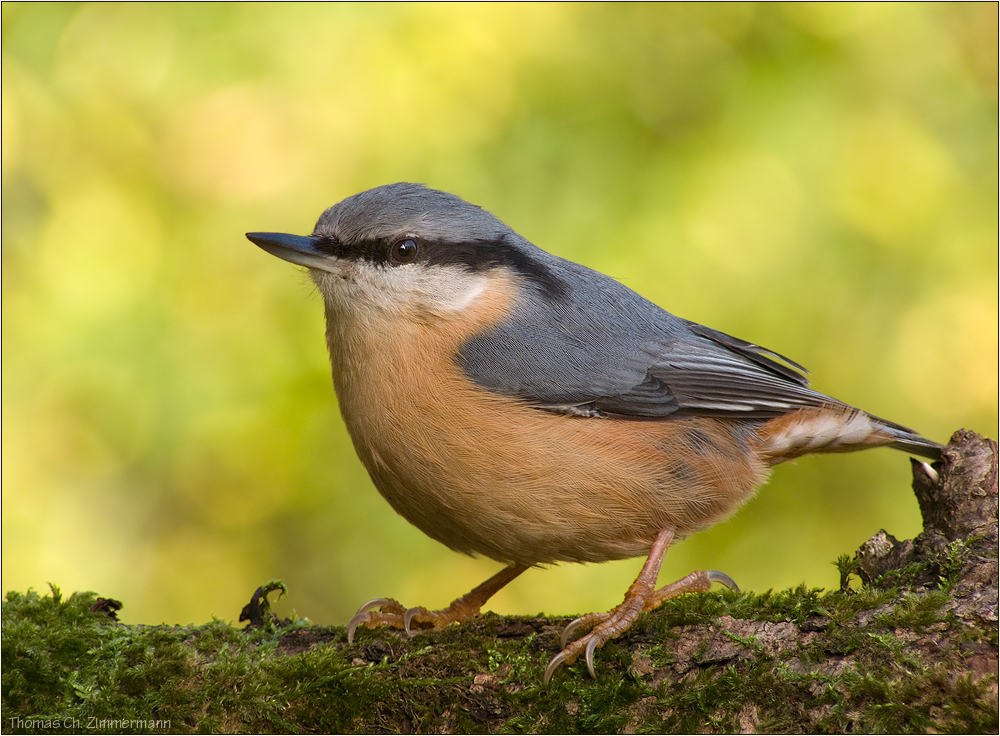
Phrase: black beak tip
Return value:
(298, 249)
(301, 243)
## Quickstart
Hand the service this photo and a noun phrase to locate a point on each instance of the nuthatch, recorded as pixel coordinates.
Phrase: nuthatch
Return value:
(513, 404)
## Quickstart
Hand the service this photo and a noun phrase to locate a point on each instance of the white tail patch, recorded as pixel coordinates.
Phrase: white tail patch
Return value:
(823, 430)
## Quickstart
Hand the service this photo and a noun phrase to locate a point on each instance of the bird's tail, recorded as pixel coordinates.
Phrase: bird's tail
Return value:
(839, 428)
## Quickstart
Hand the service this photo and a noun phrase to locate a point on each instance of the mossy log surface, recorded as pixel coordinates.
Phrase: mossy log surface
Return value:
(908, 644)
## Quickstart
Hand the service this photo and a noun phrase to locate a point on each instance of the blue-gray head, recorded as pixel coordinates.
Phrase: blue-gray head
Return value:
(405, 247)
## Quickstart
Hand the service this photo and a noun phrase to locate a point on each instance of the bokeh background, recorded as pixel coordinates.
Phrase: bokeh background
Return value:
(819, 179)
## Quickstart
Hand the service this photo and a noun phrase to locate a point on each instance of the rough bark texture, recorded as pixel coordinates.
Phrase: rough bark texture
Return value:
(910, 646)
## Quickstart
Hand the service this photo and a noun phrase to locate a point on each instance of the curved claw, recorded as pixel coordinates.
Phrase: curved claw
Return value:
(589, 656)
(408, 618)
(362, 614)
(568, 631)
(931, 472)
(554, 664)
(587, 621)
(373, 604)
(720, 577)
(570, 654)
(353, 624)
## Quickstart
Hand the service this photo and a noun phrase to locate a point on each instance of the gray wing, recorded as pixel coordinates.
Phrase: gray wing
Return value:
(603, 350)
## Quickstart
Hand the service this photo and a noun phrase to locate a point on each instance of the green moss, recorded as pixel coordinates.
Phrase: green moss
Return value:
(63, 660)
(917, 612)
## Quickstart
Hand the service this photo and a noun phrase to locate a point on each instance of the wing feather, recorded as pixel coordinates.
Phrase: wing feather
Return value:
(606, 351)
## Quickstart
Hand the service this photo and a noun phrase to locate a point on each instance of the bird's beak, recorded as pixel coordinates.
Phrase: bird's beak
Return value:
(297, 249)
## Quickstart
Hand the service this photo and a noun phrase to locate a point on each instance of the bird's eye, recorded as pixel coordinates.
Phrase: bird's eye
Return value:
(405, 251)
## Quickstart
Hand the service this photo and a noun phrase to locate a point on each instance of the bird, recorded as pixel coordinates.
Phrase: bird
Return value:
(516, 405)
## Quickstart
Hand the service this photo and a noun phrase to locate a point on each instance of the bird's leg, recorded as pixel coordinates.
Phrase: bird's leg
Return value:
(617, 621)
(392, 613)
(640, 597)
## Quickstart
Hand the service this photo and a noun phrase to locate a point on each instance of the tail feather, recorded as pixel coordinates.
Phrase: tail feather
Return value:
(907, 440)
(839, 428)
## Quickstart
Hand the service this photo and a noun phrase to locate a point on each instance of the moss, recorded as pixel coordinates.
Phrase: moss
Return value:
(792, 660)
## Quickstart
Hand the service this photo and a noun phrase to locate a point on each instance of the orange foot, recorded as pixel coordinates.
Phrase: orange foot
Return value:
(392, 613)
(640, 597)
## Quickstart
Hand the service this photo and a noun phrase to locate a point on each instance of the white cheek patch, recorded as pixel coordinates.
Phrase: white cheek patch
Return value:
(466, 294)
(416, 290)
(447, 292)
(822, 431)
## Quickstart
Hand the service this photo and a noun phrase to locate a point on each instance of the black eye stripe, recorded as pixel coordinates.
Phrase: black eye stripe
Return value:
(483, 255)
(330, 246)
(473, 255)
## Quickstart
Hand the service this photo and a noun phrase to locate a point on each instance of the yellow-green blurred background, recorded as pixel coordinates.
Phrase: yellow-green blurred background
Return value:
(819, 179)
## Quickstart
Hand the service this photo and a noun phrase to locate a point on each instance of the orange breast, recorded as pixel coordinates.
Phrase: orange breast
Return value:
(486, 474)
